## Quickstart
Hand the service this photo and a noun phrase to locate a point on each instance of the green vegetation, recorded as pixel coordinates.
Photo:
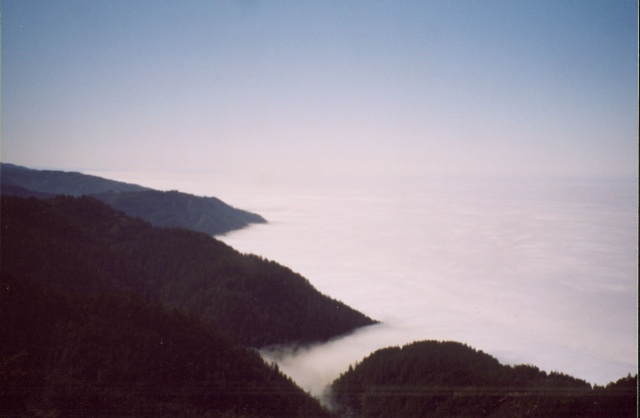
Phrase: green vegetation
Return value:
(166, 209)
(82, 245)
(450, 379)
(117, 354)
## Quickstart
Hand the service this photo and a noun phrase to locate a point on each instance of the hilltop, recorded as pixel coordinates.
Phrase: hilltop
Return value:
(451, 379)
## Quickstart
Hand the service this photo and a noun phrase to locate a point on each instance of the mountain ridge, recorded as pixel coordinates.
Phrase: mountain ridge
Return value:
(161, 208)
(451, 379)
(108, 315)
(56, 182)
(83, 245)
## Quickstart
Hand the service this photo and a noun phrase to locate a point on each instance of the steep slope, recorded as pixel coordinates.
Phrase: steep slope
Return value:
(170, 209)
(120, 355)
(83, 245)
(449, 379)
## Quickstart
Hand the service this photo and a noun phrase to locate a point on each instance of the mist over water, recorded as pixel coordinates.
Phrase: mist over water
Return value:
(541, 271)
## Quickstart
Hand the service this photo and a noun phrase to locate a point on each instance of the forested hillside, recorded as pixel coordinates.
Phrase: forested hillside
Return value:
(105, 315)
(102, 314)
(117, 355)
(450, 379)
(81, 245)
(167, 209)
(182, 210)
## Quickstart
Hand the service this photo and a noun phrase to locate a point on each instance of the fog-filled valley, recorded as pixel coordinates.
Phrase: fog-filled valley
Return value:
(252, 209)
(537, 271)
(516, 269)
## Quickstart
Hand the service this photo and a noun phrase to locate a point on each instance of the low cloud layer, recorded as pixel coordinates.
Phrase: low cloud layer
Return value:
(539, 273)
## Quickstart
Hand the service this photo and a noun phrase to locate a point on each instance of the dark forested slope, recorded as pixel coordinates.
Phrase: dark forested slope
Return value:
(113, 355)
(182, 210)
(82, 245)
(449, 379)
(169, 209)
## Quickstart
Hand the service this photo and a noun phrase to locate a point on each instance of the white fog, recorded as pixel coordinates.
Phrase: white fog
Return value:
(530, 271)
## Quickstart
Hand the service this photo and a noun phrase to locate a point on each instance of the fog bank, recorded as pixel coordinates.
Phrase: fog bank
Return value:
(539, 272)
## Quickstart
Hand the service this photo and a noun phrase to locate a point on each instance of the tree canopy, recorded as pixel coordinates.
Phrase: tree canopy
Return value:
(82, 245)
(118, 354)
(450, 379)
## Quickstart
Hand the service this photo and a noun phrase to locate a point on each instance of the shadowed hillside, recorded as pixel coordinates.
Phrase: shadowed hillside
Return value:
(116, 354)
(105, 315)
(449, 379)
(84, 246)
(168, 209)
(182, 210)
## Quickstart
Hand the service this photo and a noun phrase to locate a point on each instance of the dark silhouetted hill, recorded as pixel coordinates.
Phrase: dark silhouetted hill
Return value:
(182, 210)
(81, 245)
(449, 379)
(116, 355)
(167, 209)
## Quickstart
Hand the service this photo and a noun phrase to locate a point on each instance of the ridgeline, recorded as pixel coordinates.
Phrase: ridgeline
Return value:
(167, 209)
(450, 379)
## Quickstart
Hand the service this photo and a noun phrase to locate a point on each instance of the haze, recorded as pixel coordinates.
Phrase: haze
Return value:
(444, 166)
(532, 272)
(273, 90)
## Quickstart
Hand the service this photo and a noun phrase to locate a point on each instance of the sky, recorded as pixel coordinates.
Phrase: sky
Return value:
(195, 91)
(321, 88)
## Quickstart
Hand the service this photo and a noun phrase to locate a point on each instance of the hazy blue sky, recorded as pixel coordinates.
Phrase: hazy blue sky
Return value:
(282, 87)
